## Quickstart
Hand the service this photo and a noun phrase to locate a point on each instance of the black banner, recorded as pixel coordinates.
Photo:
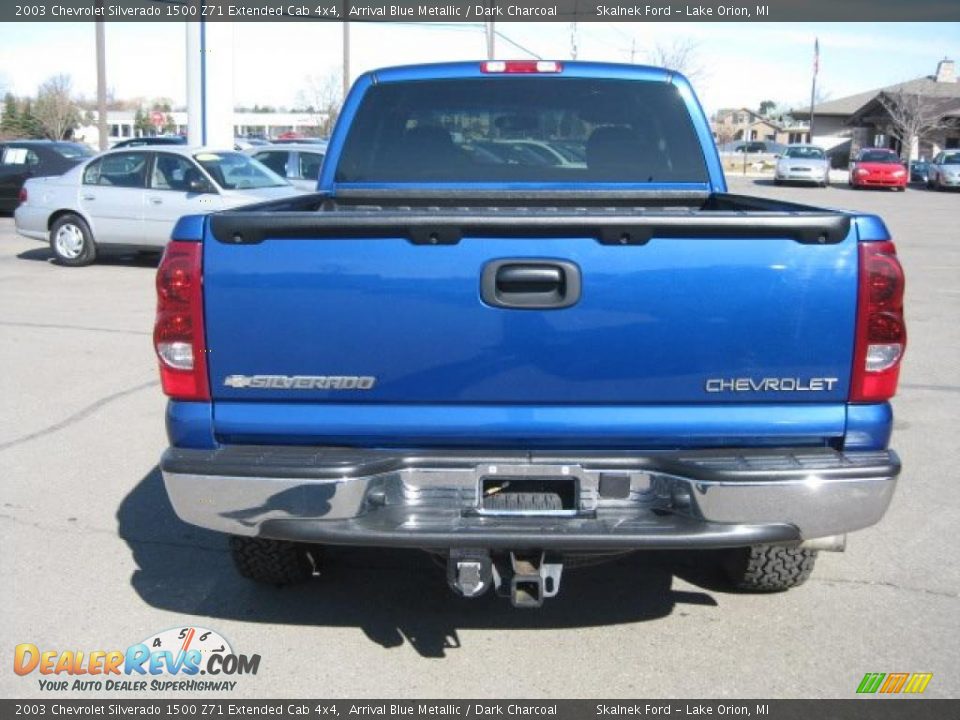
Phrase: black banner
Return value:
(481, 10)
(876, 708)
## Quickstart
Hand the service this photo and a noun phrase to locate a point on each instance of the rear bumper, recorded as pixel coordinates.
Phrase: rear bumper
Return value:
(674, 500)
(31, 221)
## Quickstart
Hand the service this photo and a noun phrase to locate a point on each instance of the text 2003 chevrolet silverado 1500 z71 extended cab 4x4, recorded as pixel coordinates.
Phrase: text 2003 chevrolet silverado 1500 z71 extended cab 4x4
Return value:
(523, 320)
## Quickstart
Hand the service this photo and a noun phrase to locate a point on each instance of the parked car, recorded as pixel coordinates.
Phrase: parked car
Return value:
(151, 140)
(753, 147)
(944, 170)
(21, 160)
(508, 363)
(803, 163)
(878, 167)
(300, 164)
(246, 142)
(131, 198)
(919, 171)
(298, 141)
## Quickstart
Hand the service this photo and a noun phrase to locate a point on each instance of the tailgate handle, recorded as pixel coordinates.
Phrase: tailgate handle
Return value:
(528, 284)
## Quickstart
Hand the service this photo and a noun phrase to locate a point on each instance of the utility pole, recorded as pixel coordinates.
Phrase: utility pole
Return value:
(491, 41)
(101, 84)
(633, 50)
(813, 86)
(573, 41)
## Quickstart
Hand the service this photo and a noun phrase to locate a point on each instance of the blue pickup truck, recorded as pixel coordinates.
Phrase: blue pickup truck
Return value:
(520, 323)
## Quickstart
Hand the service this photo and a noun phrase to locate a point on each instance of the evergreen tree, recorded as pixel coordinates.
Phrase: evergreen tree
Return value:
(29, 125)
(10, 124)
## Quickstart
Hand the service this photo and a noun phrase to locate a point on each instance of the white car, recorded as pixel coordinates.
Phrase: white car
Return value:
(803, 163)
(944, 170)
(130, 199)
(298, 163)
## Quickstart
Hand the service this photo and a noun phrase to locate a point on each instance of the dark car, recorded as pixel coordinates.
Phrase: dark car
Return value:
(919, 171)
(152, 140)
(23, 159)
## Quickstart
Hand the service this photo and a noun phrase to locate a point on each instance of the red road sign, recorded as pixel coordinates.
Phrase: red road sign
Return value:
(158, 119)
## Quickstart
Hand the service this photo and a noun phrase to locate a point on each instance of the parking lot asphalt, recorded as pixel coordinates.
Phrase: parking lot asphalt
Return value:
(94, 558)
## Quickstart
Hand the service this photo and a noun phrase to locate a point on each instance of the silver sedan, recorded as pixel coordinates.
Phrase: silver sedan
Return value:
(803, 163)
(130, 199)
(297, 162)
(944, 170)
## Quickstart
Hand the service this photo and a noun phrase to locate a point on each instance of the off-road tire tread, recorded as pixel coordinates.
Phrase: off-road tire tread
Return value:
(769, 568)
(274, 562)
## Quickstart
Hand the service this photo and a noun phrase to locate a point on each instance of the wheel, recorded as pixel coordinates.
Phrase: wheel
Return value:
(72, 242)
(769, 568)
(275, 562)
(524, 501)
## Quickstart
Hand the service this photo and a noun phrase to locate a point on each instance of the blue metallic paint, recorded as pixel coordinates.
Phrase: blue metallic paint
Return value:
(532, 426)
(868, 426)
(642, 332)
(190, 424)
(276, 290)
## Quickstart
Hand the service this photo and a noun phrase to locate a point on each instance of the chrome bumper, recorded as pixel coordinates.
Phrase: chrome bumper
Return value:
(723, 498)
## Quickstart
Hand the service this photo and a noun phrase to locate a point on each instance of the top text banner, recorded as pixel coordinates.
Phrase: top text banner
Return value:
(481, 10)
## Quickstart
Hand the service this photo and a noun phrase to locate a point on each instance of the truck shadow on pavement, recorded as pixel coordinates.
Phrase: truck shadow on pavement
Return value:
(129, 259)
(393, 596)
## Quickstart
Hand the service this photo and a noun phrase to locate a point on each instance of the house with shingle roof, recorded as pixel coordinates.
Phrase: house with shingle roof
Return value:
(865, 120)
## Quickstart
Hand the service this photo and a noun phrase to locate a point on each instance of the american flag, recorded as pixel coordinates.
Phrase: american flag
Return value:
(816, 56)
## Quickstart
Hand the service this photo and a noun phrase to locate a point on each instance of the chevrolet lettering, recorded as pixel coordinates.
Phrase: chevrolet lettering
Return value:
(788, 384)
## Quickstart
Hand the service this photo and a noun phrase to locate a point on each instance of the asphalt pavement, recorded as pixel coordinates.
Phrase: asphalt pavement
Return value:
(93, 557)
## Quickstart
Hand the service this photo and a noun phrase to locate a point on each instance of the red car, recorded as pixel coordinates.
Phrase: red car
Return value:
(878, 167)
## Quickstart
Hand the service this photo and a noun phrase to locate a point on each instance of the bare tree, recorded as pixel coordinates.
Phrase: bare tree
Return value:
(913, 117)
(681, 55)
(321, 96)
(56, 109)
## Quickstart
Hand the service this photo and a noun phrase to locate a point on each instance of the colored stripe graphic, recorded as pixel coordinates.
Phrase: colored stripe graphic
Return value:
(894, 682)
(871, 682)
(918, 682)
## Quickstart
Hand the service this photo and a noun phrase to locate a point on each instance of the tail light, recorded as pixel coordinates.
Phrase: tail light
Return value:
(22, 197)
(521, 67)
(178, 336)
(881, 331)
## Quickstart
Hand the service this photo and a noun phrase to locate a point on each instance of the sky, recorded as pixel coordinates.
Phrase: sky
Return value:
(741, 64)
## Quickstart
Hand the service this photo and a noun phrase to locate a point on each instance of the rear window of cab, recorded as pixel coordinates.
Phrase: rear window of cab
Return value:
(522, 129)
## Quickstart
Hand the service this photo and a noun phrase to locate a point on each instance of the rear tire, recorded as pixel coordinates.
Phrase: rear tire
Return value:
(274, 562)
(72, 242)
(769, 568)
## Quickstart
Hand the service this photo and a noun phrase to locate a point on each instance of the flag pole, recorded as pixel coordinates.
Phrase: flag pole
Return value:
(813, 86)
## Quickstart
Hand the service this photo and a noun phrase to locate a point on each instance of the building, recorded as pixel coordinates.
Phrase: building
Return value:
(120, 124)
(863, 120)
(733, 124)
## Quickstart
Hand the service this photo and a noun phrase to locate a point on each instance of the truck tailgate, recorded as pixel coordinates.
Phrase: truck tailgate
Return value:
(675, 320)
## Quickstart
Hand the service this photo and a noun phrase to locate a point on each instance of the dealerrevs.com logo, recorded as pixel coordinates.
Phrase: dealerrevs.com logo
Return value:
(168, 661)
